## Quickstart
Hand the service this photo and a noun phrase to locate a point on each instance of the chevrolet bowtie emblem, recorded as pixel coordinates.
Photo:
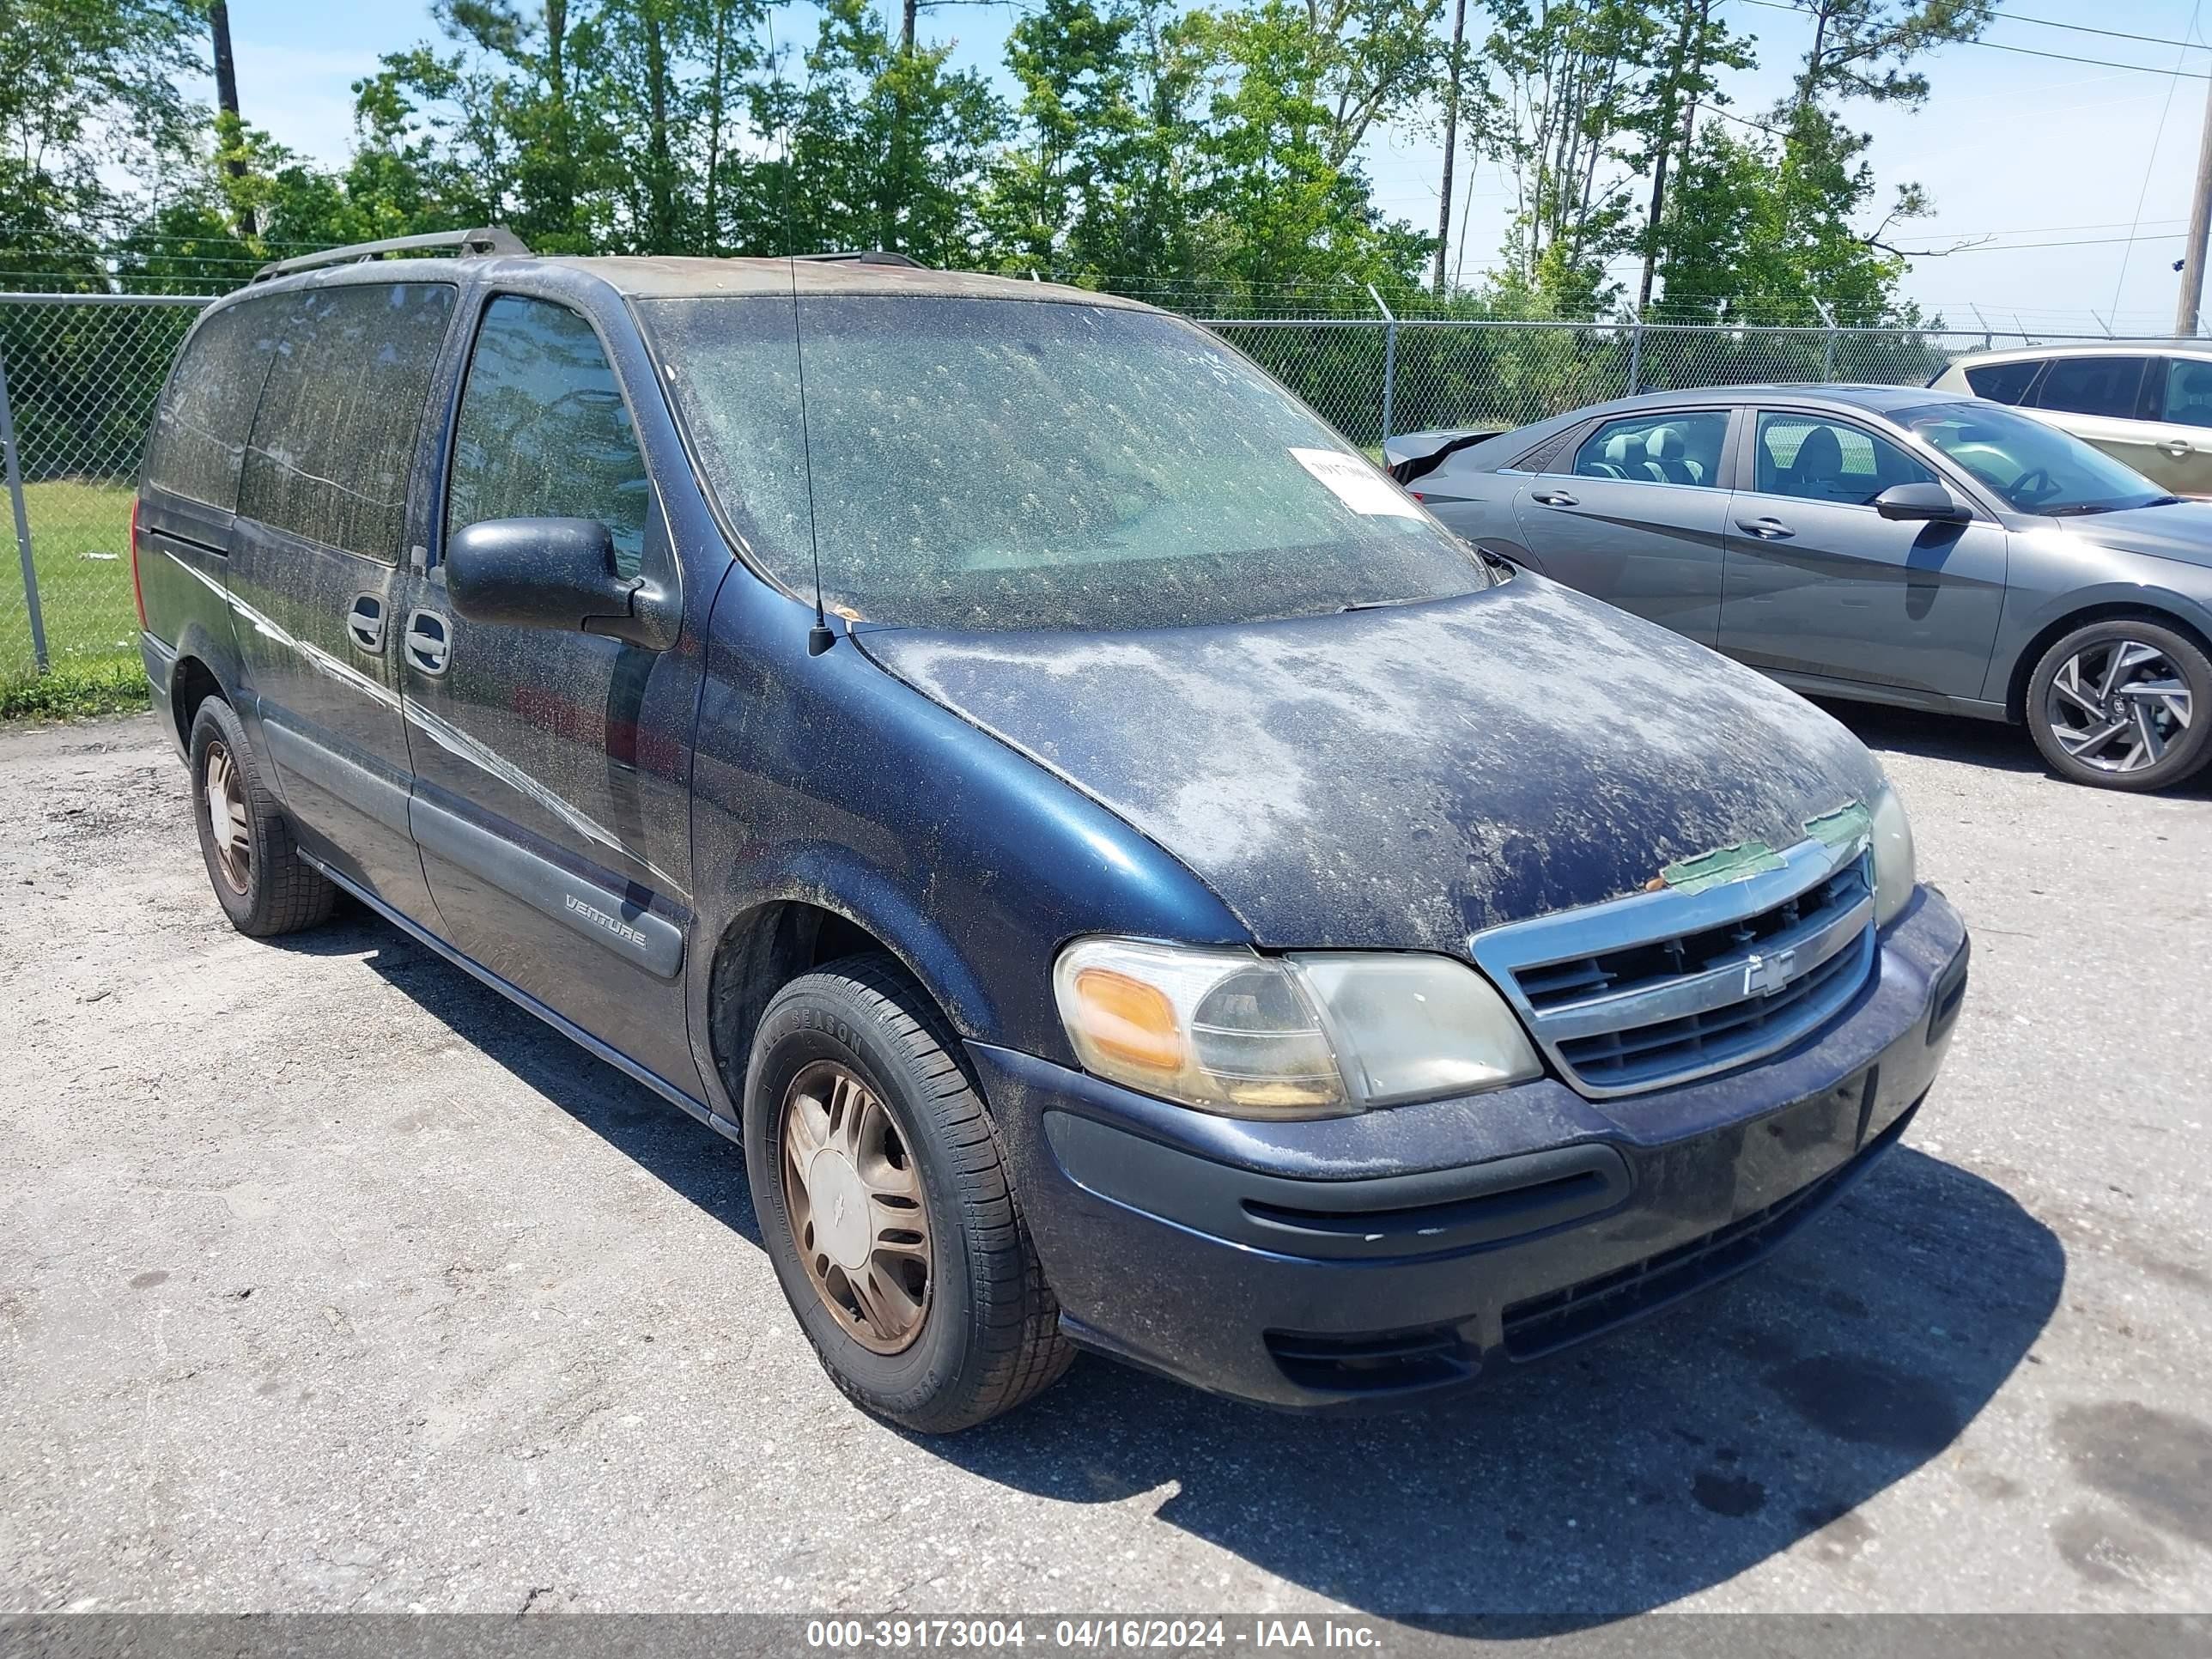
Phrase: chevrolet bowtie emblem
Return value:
(1764, 975)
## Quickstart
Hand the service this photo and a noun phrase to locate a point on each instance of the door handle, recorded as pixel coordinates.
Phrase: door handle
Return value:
(1554, 498)
(429, 643)
(365, 623)
(1768, 529)
(2179, 448)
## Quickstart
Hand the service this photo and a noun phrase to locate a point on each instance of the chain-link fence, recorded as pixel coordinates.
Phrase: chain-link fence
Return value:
(81, 374)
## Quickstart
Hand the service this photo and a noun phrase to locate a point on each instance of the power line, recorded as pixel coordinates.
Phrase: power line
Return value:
(2109, 35)
(2026, 51)
(2084, 241)
(2150, 162)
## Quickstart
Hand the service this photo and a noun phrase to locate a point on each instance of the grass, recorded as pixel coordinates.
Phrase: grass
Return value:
(80, 548)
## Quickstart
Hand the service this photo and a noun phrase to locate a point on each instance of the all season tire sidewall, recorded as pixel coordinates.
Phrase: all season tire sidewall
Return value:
(2182, 761)
(216, 723)
(798, 1031)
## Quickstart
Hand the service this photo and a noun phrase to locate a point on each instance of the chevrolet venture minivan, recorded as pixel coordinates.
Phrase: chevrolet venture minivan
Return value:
(1126, 877)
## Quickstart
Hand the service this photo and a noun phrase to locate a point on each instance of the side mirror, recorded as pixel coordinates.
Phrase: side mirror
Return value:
(1921, 503)
(550, 573)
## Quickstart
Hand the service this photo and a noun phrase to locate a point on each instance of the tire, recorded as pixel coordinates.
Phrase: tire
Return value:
(2074, 694)
(271, 890)
(976, 1333)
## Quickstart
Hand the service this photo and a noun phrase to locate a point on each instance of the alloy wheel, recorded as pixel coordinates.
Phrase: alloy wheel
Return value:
(854, 1197)
(224, 792)
(2117, 705)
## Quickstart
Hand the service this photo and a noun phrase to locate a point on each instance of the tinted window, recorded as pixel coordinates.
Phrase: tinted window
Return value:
(2188, 399)
(999, 463)
(335, 435)
(199, 432)
(2091, 385)
(2003, 383)
(1818, 460)
(1666, 448)
(2035, 467)
(544, 432)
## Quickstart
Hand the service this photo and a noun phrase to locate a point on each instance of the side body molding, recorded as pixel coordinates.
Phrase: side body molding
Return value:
(607, 919)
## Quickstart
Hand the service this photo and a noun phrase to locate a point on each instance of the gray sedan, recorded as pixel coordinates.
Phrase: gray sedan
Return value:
(1892, 545)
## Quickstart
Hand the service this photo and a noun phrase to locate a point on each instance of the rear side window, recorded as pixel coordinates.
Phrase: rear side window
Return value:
(199, 431)
(2092, 386)
(334, 436)
(1676, 449)
(2003, 383)
(2187, 400)
(544, 432)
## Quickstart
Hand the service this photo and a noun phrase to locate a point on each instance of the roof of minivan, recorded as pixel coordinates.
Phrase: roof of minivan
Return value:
(672, 278)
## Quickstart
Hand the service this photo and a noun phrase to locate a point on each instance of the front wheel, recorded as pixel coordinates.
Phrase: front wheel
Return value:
(2122, 705)
(885, 1208)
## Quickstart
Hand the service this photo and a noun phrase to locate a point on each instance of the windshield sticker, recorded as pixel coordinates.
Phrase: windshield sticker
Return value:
(1361, 489)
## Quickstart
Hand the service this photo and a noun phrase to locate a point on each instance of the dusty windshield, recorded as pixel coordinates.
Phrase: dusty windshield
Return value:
(994, 464)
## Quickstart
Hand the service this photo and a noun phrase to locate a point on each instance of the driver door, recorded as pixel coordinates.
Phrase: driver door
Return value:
(552, 767)
(1819, 583)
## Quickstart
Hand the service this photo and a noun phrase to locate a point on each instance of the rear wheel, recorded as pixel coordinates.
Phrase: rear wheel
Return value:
(2122, 705)
(885, 1207)
(259, 879)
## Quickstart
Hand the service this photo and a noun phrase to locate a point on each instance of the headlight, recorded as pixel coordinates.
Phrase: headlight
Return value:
(1893, 873)
(1230, 1030)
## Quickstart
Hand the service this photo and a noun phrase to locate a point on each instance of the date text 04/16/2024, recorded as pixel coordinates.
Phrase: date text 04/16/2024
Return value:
(1148, 1634)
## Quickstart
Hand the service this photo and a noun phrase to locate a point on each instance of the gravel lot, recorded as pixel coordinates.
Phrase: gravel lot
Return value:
(328, 1280)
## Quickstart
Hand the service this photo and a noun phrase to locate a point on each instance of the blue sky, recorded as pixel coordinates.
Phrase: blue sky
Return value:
(2058, 161)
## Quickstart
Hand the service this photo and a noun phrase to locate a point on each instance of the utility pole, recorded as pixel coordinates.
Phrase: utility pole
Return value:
(2200, 222)
(1451, 136)
(226, 95)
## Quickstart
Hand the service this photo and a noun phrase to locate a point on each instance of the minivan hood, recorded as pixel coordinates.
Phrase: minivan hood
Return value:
(2180, 530)
(1403, 778)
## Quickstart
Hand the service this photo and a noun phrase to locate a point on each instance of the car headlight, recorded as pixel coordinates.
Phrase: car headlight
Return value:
(1893, 874)
(1230, 1030)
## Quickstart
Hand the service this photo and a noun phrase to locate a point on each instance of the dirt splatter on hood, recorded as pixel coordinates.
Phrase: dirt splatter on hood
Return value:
(1403, 778)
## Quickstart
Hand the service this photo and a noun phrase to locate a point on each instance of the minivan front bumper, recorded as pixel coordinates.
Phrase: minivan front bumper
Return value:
(1350, 1261)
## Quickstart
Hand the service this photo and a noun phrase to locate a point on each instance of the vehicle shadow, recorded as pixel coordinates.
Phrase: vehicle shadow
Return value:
(688, 1156)
(1941, 737)
(1977, 743)
(1626, 1475)
(1641, 1469)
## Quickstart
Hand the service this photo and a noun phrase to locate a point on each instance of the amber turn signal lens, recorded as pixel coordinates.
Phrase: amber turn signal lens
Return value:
(1128, 1019)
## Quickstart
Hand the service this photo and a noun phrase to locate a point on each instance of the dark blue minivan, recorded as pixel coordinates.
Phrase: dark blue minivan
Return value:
(1127, 877)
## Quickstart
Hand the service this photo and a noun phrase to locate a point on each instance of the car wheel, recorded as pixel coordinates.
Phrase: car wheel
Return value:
(885, 1207)
(2123, 705)
(262, 882)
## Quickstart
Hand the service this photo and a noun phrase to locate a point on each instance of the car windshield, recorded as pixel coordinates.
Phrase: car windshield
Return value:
(2035, 468)
(997, 463)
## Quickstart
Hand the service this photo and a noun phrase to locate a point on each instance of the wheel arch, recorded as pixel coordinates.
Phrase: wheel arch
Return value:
(191, 683)
(2138, 609)
(799, 926)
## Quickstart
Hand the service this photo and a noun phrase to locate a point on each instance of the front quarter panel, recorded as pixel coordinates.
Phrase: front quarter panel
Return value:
(2053, 574)
(826, 780)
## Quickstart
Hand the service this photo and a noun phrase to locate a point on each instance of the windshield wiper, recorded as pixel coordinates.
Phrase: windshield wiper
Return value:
(1380, 604)
(2083, 509)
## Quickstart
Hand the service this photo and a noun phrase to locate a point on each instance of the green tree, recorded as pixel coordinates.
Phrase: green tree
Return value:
(83, 82)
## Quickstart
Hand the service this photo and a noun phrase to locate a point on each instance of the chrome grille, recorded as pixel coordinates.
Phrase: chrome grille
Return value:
(1662, 987)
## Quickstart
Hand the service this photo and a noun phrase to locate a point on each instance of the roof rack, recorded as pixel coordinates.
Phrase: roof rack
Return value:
(873, 256)
(465, 243)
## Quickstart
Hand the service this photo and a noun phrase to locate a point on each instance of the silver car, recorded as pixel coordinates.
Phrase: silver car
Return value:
(1892, 545)
(2150, 406)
